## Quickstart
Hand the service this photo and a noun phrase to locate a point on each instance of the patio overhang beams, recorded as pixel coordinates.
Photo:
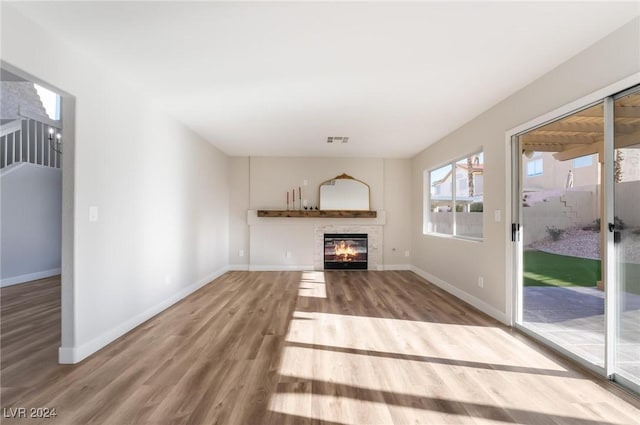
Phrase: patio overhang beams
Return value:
(582, 133)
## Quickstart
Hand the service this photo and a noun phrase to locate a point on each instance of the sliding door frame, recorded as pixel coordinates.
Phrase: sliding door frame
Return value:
(514, 270)
(608, 256)
(613, 289)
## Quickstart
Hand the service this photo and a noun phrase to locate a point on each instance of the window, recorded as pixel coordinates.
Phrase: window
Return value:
(534, 167)
(456, 209)
(583, 161)
(441, 200)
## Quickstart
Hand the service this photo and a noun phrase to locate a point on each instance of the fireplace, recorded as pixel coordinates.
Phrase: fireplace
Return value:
(345, 251)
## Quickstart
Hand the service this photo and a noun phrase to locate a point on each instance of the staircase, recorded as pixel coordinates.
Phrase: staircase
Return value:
(26, 140)
(25, 127)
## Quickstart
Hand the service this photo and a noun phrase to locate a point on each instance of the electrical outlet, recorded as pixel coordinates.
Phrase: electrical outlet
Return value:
(497, 216)
(241, 253)
(287, 254)
(481, 282)
(305, 182)
(406, 253)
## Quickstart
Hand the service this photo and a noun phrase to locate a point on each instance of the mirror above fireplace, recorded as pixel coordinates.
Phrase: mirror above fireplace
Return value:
(344, 193)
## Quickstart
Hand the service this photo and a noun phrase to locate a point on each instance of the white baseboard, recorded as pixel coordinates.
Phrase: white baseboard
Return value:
(67, 355)
(464, 296)
(238, 267)
(396, 267)
(71, 355)
(279, 268)
(28, 277)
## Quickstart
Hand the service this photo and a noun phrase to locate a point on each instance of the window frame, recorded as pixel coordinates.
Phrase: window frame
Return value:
(535, 160)
(578, 165)
(427, 199)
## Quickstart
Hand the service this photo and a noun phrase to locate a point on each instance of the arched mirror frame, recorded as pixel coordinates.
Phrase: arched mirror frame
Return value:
(344, 176)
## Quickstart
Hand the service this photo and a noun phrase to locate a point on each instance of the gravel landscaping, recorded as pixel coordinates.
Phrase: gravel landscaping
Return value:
(576, 242)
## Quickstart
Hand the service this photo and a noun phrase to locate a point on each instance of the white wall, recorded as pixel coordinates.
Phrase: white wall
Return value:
(160, 189)
(271, 177)
(238, 206)
(262, 183)
(457, 264)
(30, 223)
(397, 201)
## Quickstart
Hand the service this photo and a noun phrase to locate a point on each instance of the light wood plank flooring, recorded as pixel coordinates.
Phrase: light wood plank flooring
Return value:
(299, 348)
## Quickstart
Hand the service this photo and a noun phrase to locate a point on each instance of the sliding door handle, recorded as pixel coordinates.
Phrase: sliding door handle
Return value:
(514, 231)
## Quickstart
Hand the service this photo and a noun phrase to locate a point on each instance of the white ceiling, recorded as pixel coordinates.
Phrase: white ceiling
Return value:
(278, 78)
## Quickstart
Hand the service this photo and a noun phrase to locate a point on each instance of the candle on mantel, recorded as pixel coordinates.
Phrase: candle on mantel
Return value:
(287, 199)
(299, 193)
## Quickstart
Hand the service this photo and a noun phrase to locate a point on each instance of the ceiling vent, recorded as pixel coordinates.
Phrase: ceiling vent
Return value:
(335, 139)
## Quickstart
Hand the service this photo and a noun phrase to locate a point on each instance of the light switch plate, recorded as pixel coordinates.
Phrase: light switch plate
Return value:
(497, 216)
(93, 213)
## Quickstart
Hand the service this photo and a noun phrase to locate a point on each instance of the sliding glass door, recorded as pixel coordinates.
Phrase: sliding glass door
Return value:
(561, 204)
(627, 237)
(577, 228)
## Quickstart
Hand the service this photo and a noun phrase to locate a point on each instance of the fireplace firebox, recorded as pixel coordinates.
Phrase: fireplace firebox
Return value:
(345, 251)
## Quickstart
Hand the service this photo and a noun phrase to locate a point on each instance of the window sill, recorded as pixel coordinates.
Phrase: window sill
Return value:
(457, 237)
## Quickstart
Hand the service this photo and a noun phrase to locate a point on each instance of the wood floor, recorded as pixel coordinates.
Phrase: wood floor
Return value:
(299, 348)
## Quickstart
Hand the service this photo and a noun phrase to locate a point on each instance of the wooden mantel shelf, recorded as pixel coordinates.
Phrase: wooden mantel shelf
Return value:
(317, 213)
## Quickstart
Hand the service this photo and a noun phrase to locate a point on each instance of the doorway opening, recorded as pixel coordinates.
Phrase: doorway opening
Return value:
(36, 175)
(31, 179)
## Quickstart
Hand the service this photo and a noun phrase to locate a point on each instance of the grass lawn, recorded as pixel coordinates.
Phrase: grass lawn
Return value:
(545, 269)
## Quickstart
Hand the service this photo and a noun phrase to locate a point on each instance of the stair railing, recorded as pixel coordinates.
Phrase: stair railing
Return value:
(26, 139)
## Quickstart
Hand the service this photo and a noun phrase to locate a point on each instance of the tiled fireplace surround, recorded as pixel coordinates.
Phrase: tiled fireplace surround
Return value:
(374, 234)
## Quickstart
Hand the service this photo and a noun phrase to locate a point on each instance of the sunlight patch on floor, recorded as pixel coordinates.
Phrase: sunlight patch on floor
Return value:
(332, 408)
(336, 408)
(354, 369)
(409, 378)
(312, 284)
(413, 338)
(348, 369)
